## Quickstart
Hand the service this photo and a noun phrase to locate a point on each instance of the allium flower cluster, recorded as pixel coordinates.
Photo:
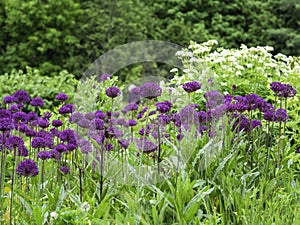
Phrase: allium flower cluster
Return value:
(27, 168)
(191, 86)
(113, 92)
(150, 90)
(283, 90)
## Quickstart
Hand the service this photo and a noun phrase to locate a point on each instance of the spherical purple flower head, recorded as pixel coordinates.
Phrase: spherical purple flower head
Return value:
(100, 114)
(71, 147)
(55, 154)
(8, 99)
(43, 123)
(131, 123)
(43, 155)
(37, 102)
(13, 108)
(47, 115)
(38, 142)
(123, 143)
(131, 107)
(27, 168)
(13, 142)
(5, 113)
(253, 101)
(75, 117)
(89, 115)
(84, 123)
(264, 106)
(188, 116)
(163, 119)
(201, 129)
(6, 124)
(145, 145)
(23, 128)
(65, 170)
(30, 133)
(108, 114)
(134, 95)
(66, 109)
(191, 86)
(22, 151)
(57, 123)
(281, 115)
(288, 91)
(31, 116)
(21, 96)
(20, 117)
(241, 123)
(162, 107)
(113, 92)
(256, 123)
(104, 77)
(150, 90)
(214, 96)
(62, 97)
(210, 104)
(270, 116)
(68, 136)
(113, 132)
(202, 117)
(97, 124)
(61, 148)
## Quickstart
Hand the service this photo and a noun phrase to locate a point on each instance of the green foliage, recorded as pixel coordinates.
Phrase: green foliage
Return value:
(38, 85)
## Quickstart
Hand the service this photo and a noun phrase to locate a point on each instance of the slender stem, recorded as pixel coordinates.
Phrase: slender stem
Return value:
(12, 187)
(159, 151)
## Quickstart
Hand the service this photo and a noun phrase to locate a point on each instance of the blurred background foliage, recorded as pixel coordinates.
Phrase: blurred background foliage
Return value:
(53, 36)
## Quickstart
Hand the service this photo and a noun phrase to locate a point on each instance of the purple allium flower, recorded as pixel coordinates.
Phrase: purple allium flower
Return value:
(108, 114)
(152, 112)
(14, 142)
(6, 124)
(99, 114)
(23, 128)
(134, 95)
(30, 133)
(71, 146)
(163, 119)
(281, 115)
(43, 123)
(84, 123)
(75, 117)
(150, 90)
(105, 76)
(57, 123)
(27, 168)
(214, 96)
(145, 145)
(188, 115)
(54, 132)
(55, 154)
(31, 116)
(61, 148)
(116, 114)
(65, 170)
(108, 146)
(38, 142)
(20, 116)
(131, 107)
(288, 91)
(62, 97)
(13, 108)
(124, 143)
(47, 115)
(43, 155)
(113, 92)
(5, 113)
(37, 102)
(256, 123)
(270, 116)
(191, 86)
(121, 122)
(68, 136)
(210, 104)
(89, 115)
(144, 110)
(131, 123)
(8, 99)
(276, 87)
(98, 124)
(66, 109)
(162, 107)
(21, 96)
(22, 151)
(139, 116)
(202, 117)
(242, 123)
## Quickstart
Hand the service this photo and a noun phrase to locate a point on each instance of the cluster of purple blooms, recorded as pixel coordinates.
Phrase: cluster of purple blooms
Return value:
(39, 130)
(107, 127)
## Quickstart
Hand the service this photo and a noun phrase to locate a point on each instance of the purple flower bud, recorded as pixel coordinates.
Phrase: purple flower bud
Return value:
(113, 92)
